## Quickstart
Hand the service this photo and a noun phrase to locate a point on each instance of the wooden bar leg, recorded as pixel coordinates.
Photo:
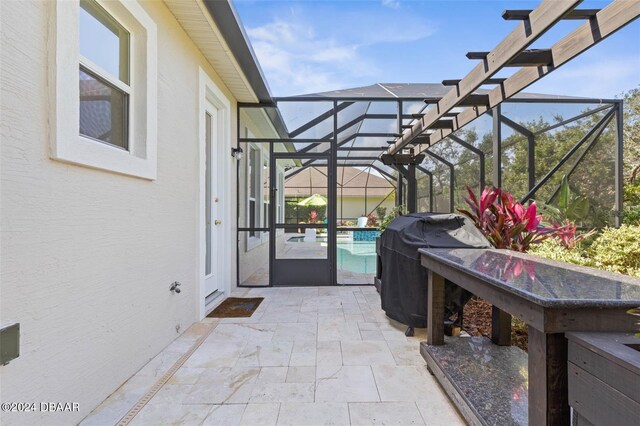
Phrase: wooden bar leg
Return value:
(548, 398)
(500, 327)
(435, 309)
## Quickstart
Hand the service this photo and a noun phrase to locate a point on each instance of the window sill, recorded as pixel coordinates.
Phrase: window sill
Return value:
(97, 155)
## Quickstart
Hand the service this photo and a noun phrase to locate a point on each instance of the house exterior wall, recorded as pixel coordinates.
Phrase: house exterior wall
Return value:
(87, 256)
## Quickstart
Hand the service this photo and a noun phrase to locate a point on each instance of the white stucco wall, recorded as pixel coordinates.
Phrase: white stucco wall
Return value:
(88, 255)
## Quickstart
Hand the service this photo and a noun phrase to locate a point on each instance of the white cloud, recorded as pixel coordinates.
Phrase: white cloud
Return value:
(295, 60)
(303, 54)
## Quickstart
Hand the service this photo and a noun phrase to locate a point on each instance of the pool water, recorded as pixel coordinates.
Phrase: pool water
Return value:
(357, 256)
(353, 256)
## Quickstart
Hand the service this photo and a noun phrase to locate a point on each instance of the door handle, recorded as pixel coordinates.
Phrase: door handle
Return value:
(217, 222)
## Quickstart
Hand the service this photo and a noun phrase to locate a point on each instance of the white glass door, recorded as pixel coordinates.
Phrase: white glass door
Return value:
(212, 203)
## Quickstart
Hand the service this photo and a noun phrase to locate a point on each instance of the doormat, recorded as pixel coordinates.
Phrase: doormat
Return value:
(236, 307)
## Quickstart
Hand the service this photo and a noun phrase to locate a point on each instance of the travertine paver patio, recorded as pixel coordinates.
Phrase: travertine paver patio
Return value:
(307, 356)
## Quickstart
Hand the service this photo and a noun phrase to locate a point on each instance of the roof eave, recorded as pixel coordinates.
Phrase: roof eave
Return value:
(226, 19)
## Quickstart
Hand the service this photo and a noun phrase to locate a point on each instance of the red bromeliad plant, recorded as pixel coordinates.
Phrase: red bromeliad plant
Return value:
(505, 222)
(313, 216)
(567, 235)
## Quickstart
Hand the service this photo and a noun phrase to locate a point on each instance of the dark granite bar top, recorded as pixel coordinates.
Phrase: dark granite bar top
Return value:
(545, 282)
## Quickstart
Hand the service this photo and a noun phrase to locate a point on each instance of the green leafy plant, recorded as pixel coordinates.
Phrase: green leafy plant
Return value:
(381, 212)
(567, 205)
(395, 212)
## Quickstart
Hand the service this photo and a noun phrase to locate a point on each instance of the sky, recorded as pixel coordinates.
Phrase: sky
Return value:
(309, 46)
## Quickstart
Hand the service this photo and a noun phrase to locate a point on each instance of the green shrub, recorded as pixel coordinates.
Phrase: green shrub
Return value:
(631, 215)
(632, 194)
(632, 204)
(618, 250)
(613, 250)
(553, 249)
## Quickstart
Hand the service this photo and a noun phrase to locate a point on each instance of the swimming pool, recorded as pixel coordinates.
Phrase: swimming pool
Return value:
(357, 256)
(352, 256)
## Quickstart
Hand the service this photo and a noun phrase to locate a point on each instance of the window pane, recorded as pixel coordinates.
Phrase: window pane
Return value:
(252, 217)
(266, 190)
(103, 111)
(254, 160)
(103, 40)
(265, 216)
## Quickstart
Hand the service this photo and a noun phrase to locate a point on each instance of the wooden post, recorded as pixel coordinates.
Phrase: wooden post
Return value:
(412, 189)
(399, 190)
(548, 380)
(500, 327)
(435, 309)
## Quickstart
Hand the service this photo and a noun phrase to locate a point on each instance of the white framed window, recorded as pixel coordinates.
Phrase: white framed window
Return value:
(104, 86)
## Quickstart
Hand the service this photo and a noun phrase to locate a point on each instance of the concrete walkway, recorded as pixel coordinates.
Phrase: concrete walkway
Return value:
(308, 356)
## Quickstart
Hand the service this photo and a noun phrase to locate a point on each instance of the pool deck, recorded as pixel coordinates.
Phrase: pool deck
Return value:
(307, 356)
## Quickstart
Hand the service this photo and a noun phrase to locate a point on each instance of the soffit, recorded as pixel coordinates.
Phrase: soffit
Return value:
(194, 18)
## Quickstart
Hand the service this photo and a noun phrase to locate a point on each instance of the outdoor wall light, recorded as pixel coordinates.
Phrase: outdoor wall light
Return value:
(237, 153)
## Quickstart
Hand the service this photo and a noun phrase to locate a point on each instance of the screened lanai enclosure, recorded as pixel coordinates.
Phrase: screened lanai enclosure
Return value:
(319, 173)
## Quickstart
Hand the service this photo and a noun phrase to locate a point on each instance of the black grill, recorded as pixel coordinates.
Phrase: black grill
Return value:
(403, 279)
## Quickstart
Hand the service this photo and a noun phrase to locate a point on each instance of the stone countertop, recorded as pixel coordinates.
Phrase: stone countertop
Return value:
(493, 380)
(545, 282)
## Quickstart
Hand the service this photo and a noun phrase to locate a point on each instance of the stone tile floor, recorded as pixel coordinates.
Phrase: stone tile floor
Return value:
(308, 356)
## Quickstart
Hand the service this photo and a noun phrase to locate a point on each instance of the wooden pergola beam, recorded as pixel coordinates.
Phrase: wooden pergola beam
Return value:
(606, 22)
(521, 15)
(474, 100)
(540, 20)
(526, 58)
(455, 82)
(442, 124)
